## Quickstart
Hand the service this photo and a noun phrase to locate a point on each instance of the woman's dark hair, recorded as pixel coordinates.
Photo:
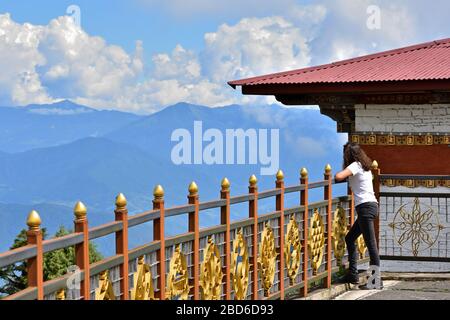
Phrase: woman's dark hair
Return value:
(353, 152)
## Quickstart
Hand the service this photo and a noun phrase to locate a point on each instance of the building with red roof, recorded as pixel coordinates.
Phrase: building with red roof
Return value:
(396, 105)
(395, 102)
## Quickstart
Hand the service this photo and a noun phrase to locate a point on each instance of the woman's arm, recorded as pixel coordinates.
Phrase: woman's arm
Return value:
(342, 175)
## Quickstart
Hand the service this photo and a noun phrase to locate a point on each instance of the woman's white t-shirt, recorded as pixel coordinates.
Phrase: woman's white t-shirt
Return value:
(361, 184)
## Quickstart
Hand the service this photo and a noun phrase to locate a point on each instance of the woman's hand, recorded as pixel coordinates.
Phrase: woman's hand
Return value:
(342, 175)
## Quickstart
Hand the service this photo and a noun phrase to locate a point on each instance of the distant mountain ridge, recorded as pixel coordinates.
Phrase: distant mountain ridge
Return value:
(38, 126)
(56, 160)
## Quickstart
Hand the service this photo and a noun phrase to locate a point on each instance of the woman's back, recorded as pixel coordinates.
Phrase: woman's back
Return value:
(361, 184)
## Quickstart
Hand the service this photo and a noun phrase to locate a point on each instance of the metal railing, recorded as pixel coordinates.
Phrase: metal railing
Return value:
(265, 256)
(414, 222)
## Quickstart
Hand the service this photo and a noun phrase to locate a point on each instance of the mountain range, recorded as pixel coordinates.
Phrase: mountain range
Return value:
(54, 155)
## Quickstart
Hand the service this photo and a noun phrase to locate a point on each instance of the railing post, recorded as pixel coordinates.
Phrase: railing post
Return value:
(35, 265)
(194, 227)
(253, 213)
(158, 235)
(225, 219)
(121, 214)
(327, 195)
(304, 203)
(351, 205)
(82, 249)
(376, 189)
(280, 207)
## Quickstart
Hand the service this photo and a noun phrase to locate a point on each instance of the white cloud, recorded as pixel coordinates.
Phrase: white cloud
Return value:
(60, 60)
(41, 64)
(253, 46)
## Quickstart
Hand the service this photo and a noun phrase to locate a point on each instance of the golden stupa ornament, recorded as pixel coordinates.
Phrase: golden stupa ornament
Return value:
(80, 211)
(178, 278)
(338, 236)
(211, 272)
(252, 180)
(193, 188)
(142, 282)
(225, 184)
(240, 267)
(292, 249)
(121, 201)
(158, 192)
(105, 289)
(267, 259)
(316, 241)
(361, 246)
(33, 220)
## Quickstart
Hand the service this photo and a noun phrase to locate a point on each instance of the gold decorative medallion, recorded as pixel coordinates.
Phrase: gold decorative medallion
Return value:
(416, 227)
(267, 258)
(361, 246)
(211, 272)
(292, 249)
(178, 279)
(240, 267)
(316, 241)
(105, 289)
(143, 282)
(60, 294)
(338, 236)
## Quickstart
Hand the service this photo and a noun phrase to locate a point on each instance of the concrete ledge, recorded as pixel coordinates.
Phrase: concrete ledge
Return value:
(335, 290)
(410, 276)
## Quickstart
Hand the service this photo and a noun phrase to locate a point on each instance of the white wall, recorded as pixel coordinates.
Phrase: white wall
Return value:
(425, 118)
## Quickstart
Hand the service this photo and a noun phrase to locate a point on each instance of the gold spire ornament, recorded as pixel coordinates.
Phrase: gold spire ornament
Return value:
(316, 241)
(143, 282)
(339, 231)
(280, 175)
(304, 173)
(253, 180)
(158, 192)
(211, 272)
(33, 220)
(374, 164)
(240, 267)
(178, 278)
(327, 169)
(267, 259)
(121, 201)
(292, 249)
(105, 290)
(225, 184)
(80, 211)
(193, 188)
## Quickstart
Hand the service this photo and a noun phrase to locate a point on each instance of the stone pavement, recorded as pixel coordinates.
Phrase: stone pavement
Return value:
(405, 287)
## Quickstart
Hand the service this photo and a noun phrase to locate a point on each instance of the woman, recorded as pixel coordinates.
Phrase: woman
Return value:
(357, 169)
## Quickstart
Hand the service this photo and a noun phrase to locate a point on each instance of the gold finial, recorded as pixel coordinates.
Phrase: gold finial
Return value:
(158, 192)
(33, 220)
(80, 211)
(374, 164)
(280, 175)
(304, 173)
(121, 201)
(225, 184)
(253, 180)
(193, 189)
(327, 168)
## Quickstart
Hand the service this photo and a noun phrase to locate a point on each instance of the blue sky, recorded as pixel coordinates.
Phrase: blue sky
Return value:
(142, 55)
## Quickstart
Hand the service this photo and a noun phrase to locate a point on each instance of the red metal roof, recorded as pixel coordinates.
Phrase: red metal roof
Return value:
(427, 61)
